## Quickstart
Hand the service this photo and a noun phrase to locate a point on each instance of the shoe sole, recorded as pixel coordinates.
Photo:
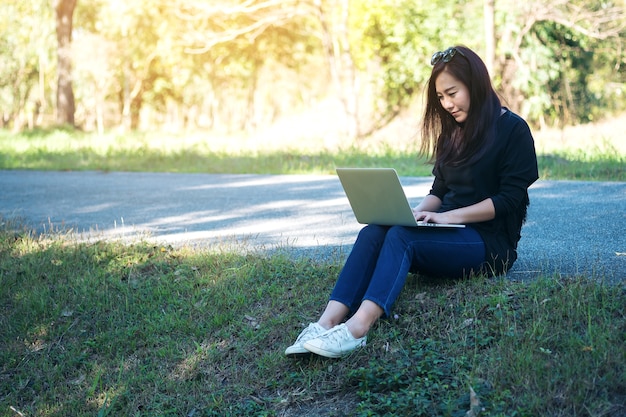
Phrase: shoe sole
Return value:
(329, 354)
(297, 352)
(324, 353)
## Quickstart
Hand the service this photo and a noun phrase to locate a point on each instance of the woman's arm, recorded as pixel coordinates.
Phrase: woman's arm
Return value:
(429, 203)
(479, 212)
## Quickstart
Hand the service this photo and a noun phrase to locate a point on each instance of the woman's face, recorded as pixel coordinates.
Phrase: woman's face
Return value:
(453, 95)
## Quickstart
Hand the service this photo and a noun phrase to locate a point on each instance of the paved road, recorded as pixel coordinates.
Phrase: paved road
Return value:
(572, 227)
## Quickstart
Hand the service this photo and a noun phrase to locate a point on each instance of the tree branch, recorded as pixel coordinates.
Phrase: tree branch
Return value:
(261, 15)
(598, 24)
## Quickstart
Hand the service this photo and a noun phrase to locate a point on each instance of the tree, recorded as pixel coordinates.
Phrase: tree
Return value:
(489, 11)
(396, 39)
(538, 44)
(242, 64)
(239, 42)
(26, 32)
(65, 93)
(334, 18)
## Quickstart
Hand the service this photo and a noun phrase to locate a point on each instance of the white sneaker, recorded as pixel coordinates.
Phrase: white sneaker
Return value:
(311, 332)
(335, 343)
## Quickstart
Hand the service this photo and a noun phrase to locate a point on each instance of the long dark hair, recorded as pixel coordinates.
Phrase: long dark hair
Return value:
(446, 141)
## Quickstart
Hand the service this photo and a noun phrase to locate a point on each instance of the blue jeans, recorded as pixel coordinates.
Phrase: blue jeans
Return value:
(382, 257)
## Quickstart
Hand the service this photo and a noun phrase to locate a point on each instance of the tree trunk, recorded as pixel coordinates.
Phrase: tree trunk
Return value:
(490, 35)
(341, 64)
(65, 94)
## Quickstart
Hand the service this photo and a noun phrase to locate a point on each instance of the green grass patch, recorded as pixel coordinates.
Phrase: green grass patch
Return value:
(75, 151)
(604, 165)
(61, 150)
(106, 328)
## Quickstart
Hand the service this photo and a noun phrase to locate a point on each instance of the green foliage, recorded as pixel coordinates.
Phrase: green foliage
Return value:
(531, 349)
(26, 48)
(399, 36)
(422, 382)
(392, 34)
(559, 53)
(568, 64)
(532, 80)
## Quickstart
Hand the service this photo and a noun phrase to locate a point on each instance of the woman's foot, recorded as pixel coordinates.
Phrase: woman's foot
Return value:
(312, 331)
(335, 343)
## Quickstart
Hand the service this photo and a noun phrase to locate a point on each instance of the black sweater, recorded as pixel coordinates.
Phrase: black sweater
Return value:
(503, 174)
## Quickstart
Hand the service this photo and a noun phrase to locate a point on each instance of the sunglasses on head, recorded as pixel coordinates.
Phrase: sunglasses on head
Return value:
(444, 56)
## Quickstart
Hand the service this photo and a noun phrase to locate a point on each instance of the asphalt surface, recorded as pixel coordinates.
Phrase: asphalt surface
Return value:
(572, 228)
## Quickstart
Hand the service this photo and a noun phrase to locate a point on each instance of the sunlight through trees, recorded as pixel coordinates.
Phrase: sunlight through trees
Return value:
(242, 65)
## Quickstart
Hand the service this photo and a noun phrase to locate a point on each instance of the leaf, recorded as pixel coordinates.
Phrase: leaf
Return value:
(253, 322)
(475, 407)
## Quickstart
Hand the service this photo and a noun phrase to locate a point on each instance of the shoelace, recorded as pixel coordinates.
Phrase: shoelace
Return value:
(311, 330)
(340, 334)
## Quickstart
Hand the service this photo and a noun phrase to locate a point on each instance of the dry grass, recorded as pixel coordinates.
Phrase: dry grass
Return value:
(320, 130)
(603, 135)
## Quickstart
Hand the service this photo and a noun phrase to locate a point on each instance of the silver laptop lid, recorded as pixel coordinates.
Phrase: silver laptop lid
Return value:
(377, 197)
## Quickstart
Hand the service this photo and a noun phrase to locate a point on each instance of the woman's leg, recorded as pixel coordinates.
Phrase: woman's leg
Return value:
(349, 288)
(356, 274)
(367, 314)
(333, 314)
(440, 252)
(452, 253)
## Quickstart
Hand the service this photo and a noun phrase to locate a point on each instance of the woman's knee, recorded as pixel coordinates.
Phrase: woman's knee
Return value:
(399, 234)
(373, 232)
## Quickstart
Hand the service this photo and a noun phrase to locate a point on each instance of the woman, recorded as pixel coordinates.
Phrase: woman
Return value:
(484, 161)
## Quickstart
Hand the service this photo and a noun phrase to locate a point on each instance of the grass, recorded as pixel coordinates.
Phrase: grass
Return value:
(61, 150)
(149, 152)
(104, 328)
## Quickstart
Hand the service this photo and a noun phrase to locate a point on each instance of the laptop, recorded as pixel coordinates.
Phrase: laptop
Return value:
(377, 197)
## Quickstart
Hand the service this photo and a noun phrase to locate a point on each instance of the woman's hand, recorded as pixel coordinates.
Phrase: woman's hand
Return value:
(432, 217)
